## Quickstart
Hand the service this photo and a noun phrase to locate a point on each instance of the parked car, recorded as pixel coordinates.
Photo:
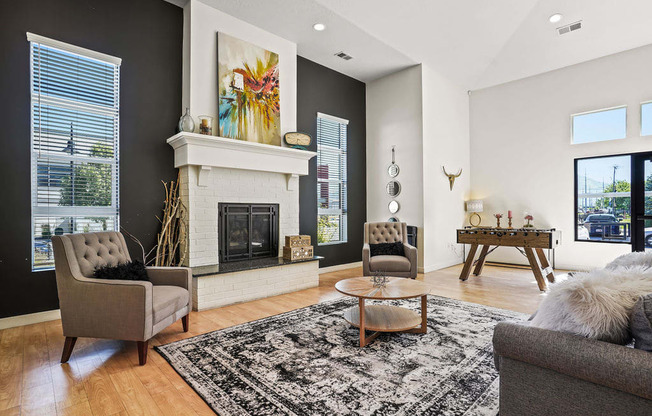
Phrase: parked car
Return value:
(596, 224)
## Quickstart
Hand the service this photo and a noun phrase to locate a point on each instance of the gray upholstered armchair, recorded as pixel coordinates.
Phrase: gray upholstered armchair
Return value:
(116, 309)
(388, 232)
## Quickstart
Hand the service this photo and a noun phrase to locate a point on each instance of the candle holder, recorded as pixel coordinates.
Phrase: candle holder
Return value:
(206, 125)
(509, 223)
(498, 217)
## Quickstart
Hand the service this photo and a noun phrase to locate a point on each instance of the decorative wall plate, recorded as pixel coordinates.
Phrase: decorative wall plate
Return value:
(393, 207)
(393, 188)
(297, 140)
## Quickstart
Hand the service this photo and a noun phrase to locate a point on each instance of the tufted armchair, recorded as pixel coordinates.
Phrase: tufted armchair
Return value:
(388, 232)
(116, 309)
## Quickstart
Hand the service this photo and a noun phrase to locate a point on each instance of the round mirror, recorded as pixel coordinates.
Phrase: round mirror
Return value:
(393, 207)
(393, 188)
(393, 170)
(392, 219)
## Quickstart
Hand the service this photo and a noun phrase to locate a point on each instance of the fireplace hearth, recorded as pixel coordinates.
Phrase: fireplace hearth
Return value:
(247, 231)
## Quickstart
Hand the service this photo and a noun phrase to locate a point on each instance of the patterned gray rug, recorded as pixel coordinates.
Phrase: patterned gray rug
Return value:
(308, 362)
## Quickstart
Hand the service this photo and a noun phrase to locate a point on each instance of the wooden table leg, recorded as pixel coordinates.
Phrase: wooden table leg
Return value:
(545, 265)
(469, 262)
(363, 336)
(424, 314)
(536, 269)
(480, 264)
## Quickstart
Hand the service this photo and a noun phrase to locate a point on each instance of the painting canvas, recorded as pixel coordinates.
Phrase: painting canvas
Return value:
(248, 83)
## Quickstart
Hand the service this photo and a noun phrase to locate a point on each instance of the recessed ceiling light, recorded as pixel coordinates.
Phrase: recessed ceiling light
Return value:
(319, 26)
(555, 18)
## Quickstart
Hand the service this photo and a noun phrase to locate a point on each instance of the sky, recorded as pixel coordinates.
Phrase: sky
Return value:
(601, 169)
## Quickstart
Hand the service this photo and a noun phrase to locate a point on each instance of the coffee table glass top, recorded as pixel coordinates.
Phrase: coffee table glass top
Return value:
(396, 288)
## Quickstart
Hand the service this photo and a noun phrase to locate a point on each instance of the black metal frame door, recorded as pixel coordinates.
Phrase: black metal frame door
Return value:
(638, 200)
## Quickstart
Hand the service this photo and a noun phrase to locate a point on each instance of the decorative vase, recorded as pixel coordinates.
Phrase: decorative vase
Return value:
(186, 123)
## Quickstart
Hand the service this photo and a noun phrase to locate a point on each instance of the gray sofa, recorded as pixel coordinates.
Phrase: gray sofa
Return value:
(388, 232)
(545, 372)
(116, 309)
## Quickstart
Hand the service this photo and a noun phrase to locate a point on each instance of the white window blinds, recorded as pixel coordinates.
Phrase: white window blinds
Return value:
(331, 179)
(75, 133)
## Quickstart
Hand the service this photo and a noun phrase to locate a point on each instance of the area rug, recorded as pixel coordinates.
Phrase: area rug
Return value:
(308, 362)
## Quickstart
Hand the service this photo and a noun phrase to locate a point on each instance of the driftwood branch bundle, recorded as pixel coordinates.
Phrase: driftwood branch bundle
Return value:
(173, 230)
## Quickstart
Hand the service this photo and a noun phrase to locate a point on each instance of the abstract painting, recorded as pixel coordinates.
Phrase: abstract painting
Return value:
(248, 91)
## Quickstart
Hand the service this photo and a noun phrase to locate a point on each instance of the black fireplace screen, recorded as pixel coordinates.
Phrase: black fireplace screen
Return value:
(248, 231)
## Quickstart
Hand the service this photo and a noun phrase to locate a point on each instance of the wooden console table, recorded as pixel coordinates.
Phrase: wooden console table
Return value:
(529, 241)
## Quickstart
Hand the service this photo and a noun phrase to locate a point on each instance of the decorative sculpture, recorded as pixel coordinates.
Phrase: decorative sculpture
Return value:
(379, 279)
(451, 178)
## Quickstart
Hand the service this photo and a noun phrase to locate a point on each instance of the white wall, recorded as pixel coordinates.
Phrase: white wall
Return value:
(200, 76)
(427, 117)
(521, 152)
(446, 143)
(395, 117)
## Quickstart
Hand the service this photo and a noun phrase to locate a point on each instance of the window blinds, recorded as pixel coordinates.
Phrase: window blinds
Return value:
(75, 137)
(331, 179)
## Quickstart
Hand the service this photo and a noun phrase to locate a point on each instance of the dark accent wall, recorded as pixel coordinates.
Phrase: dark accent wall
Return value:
(323, 90)
(148, 36)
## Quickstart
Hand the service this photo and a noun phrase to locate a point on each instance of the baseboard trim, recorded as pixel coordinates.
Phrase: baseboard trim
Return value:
(339, 267)
(439, 266)
(30, 318)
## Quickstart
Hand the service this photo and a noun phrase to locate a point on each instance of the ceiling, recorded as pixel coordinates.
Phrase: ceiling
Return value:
(475, 43)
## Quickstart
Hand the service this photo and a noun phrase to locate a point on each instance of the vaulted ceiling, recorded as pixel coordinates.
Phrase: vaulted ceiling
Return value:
(475, 43)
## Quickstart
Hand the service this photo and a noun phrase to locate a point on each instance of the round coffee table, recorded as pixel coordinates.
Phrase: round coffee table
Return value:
(385, 318)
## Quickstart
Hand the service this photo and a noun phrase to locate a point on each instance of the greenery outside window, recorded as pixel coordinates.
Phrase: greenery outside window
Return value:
(331, 179)
(74, 140)
(603, 199)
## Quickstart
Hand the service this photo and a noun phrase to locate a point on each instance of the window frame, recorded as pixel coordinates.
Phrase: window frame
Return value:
(343, 182)
(572, 127)
(576, 198)
(111, 211)
(640, 116)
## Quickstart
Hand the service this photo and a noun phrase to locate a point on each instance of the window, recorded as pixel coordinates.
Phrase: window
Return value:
(74, 142)
(331, 179)
(598, 126)
(603, 197)
(646, 119)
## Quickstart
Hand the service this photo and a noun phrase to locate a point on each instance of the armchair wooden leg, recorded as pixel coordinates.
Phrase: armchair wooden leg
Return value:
(186, 322)
(142, 352)
(67, 348)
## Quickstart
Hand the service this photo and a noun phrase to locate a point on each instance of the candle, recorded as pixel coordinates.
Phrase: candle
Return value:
(509, 214)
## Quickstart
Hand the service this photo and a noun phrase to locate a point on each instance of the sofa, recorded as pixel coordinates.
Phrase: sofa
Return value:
(544, 372)
(546, 369)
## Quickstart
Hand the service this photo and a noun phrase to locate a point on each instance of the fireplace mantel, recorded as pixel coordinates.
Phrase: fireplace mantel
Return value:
(207, 152)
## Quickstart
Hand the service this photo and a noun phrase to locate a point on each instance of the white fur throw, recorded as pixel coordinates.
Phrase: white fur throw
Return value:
(631, 259)
(595, 304)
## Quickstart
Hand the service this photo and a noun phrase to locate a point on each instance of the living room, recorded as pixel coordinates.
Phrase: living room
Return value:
(316, 207)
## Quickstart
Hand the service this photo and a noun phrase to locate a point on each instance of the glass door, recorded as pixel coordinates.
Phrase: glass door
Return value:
(642, 201)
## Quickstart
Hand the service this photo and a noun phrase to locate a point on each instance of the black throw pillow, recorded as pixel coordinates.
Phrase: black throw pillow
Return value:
(133, 270)
(387, 249)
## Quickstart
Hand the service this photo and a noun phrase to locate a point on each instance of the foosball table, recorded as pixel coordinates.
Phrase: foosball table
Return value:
(529, 241)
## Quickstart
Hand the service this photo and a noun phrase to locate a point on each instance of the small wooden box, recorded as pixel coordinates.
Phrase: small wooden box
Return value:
(297, 240)
(297, 253)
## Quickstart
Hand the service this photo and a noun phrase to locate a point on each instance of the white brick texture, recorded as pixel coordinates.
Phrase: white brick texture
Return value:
(228, 288)
(231, 185)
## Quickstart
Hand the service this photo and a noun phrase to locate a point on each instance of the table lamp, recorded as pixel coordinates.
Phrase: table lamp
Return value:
(474, 206)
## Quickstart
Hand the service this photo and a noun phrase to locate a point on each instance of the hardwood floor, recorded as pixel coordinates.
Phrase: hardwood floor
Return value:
(103, 377)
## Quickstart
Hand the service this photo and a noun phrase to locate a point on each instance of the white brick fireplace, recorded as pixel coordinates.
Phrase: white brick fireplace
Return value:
(217, 170)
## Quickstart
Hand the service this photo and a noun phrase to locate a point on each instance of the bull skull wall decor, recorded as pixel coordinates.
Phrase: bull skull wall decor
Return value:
(451, 178)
